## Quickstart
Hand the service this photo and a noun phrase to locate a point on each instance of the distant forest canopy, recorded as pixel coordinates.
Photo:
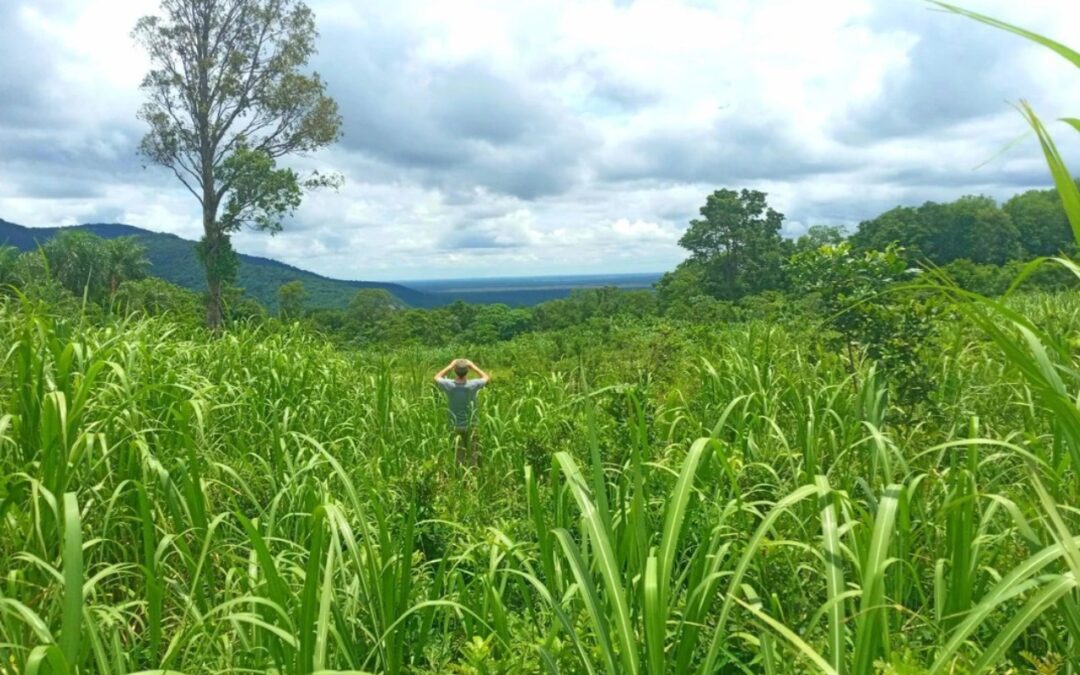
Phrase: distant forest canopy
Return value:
(739, 266)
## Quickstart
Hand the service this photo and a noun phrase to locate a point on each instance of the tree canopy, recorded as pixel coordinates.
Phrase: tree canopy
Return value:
(291, 298)
(972, 228)
(736, 243)
(1040, 222)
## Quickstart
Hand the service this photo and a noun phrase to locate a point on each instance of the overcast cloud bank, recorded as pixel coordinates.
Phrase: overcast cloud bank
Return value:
(493, 138)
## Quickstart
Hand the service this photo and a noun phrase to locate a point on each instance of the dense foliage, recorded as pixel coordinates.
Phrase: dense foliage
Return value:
(263, 499)
(76, 262)
(974, 229)
(736, 245)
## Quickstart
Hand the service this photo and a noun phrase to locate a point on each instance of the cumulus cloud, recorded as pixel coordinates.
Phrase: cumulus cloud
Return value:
(491, 138)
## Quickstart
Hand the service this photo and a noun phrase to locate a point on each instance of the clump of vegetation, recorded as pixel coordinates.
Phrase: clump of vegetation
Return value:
(869, 302)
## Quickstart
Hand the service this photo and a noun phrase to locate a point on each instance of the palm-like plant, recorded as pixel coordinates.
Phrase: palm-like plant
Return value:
(125, 261)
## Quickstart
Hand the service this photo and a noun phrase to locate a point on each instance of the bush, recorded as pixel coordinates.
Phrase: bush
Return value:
(157, 297)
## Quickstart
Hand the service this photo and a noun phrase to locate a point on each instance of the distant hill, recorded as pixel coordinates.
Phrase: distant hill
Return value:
(173, 259)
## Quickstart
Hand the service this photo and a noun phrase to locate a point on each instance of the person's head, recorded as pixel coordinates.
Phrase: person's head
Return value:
(461, 367)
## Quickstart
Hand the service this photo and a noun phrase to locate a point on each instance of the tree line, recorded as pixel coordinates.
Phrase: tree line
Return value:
(736, 249)
(738, 267)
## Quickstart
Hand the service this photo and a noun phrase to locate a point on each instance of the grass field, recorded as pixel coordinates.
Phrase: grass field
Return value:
(721, 499)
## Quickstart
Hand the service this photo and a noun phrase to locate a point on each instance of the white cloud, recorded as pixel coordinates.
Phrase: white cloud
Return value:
(559, 135)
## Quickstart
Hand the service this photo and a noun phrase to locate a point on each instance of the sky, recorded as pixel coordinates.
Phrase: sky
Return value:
(493, 138)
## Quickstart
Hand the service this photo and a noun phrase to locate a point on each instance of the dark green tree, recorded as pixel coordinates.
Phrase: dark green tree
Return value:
(1040, 222)
(237, 305)
(974, 228)
(859, 296)
(817, 236)
(227, 97)
(738, 244)
(558, 314)
(367, 308)
(432, 327)
(328, 320)
(291, 297)
(983, 279)
(679, 286)
(153, 297)
(496, 322)
(971, 228)
(904, 226)
(8, 256)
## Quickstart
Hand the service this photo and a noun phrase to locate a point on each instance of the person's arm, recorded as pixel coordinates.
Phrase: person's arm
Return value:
(442, 373)
(479, 373)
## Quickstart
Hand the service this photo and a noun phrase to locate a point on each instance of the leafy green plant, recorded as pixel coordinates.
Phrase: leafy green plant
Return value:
(860, 293)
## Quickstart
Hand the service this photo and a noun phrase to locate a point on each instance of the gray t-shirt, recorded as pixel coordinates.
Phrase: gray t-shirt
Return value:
(462, 399)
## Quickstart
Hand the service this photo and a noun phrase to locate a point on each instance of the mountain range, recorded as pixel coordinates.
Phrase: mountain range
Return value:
(173, 259)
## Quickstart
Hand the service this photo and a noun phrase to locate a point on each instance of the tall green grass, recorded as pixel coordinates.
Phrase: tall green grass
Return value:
(261, 501)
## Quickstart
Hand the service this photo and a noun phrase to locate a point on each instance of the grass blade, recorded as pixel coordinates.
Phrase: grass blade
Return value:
(1068, 54)
(834, 574)
(871, 636)
(655, 617)
(605, 560)
(587, 590)
(71, 622)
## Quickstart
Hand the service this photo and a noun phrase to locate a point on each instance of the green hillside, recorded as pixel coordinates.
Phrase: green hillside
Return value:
(173, 259)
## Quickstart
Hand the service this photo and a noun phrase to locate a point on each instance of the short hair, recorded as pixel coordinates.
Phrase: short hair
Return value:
(461, 368)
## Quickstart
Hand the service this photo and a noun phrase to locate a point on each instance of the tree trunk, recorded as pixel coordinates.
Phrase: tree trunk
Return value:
(212, 251)
(212, 234)
(213, 303)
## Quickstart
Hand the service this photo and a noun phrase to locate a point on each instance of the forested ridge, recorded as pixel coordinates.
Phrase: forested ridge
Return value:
(173, 259)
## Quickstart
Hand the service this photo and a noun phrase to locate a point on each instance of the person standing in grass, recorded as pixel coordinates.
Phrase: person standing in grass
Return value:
(461, 399)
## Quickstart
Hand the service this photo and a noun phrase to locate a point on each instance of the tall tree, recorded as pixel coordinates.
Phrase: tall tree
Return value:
(971, 228)
(975, 228)
(737, 241)
(153, 296)
(367, 308)
(227, 96)
(1041, 223)
(291, 297)
(817, 236)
